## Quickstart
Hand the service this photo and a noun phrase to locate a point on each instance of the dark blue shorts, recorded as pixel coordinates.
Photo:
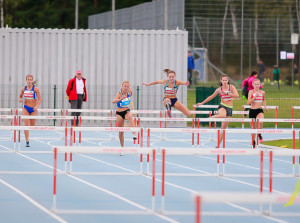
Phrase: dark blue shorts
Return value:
(173, 101)
(29, 109)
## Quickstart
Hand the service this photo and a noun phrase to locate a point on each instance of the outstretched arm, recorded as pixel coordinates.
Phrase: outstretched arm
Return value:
(186, 83)
(217, 91)
(153, 83)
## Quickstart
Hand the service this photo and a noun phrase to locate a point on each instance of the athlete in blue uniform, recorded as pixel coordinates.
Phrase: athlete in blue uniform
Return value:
(170, 91)
(123, 112)
(32, 101)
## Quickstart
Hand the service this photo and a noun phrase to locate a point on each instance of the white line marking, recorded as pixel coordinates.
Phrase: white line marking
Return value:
(41, 207)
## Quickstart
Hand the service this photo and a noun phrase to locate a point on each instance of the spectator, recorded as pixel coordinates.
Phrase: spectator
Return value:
(191, 66)
(76, 91)
(276, 74)
(261, 70)
(248, 83)
(295, 69)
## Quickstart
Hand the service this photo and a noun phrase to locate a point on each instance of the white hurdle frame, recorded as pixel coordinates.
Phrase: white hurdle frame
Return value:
(103, 129)
(293, 113)
(269, 107)
(44, 110)
(101, 150)
(239, 197)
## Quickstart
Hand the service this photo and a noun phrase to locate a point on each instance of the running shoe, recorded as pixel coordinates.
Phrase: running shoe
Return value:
(169, 113)
(260, 138)
(134, 137)
(27, 144)
(254, 144)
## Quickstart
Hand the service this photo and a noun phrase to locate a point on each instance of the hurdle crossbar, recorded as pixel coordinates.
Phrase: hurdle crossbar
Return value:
(205, 106)
(89, 110)
(101, 150)
(239, 197)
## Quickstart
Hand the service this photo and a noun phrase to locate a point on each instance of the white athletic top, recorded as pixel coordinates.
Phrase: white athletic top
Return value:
(258, 98)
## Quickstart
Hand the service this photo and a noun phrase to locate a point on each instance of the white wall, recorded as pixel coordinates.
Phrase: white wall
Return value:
(106, 57)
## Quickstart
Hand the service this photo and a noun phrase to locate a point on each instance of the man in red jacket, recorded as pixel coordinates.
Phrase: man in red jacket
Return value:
(76, 91)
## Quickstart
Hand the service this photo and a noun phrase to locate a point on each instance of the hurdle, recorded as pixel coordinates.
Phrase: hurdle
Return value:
(269, 107)
(10, 110)
(22, 117)
(102, 129)
(208, 152)
(234, 152)
(101, 150)
(238, 197)
(110, 112)
(293, 113)
(12, 122)
(44, 110)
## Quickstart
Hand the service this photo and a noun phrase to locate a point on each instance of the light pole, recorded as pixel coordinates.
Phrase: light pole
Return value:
(76, 14)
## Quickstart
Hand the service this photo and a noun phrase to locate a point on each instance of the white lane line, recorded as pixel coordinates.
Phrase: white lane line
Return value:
(32, 201)
(122, 198)
(102, 189)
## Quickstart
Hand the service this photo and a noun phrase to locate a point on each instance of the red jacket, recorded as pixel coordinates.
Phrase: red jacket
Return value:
(71, 89)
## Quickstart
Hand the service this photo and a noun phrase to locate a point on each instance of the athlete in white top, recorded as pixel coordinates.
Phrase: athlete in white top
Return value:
(227, 93)
(170, 91)
(255, 98)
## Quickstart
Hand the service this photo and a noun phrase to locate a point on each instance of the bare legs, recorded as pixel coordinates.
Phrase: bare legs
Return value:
(179, 106)
(120, 123)
(222, 114)
(28, 122)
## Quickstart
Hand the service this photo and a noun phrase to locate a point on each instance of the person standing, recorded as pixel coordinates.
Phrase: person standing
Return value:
(261, 70)
(227, 93)
(255, 98)
(76, 90)
(247, 83)
(191, 66)
(170, 90)
(276, 75)
(32, 101)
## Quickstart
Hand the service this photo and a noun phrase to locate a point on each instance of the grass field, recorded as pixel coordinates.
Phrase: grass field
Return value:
(285, 98)
(284, 143)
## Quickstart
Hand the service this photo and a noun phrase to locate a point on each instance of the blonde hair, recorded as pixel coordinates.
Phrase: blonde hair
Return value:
(30, 75)
(168, 71)
(224, 75)
(125, 82)
(255, 79)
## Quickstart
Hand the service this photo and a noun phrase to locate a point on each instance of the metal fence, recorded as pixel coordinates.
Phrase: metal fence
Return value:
(157, 15)
(227, 52)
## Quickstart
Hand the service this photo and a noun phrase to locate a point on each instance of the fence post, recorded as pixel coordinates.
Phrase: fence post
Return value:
(54, 101)
(138, 98)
